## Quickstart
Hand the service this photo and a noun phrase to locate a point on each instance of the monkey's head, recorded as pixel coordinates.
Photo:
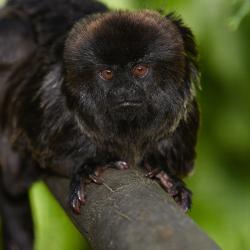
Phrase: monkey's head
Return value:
(129, 73)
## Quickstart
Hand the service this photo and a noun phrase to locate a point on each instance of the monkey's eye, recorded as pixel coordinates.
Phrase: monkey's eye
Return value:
(106, 74)
(140, 70)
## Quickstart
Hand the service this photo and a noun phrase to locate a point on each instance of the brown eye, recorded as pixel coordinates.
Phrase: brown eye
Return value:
(140, 70)
(106, 74)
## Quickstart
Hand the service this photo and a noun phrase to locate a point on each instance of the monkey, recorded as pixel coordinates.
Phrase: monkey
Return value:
(84, 88)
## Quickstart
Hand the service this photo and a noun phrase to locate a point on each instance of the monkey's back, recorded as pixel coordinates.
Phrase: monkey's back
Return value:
(28, 25)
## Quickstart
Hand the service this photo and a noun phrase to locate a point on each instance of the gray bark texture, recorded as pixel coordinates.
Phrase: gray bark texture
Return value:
(131, 212)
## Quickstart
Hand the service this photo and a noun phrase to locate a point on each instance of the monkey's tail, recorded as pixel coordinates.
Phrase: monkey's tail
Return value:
(17, 225)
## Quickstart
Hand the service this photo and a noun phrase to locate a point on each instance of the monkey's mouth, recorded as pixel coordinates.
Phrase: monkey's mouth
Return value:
(127, 110)
(127, 104)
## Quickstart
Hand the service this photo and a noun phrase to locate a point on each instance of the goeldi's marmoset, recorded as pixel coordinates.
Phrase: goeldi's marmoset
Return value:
(83, 88)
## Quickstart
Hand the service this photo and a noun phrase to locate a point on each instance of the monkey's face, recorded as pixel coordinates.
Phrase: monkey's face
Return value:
(128, 71)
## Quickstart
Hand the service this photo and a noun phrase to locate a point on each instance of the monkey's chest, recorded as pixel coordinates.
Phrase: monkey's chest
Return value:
(130, 153)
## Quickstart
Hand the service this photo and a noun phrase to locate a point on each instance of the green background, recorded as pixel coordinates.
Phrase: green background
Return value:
(220, 183)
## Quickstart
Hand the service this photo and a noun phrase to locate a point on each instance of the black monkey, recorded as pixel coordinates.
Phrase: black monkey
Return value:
(83, 88)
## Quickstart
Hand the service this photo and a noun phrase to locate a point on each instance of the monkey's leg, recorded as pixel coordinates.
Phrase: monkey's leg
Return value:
(17, 223)
(172, 185)
(88, 173)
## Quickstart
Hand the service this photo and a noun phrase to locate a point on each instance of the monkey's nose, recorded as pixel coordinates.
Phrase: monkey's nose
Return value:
(125, 97)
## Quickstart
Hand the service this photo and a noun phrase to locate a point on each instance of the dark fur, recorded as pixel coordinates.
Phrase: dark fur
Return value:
(57, 114)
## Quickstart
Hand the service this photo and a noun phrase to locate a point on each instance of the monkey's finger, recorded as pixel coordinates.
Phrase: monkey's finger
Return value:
(165, 181)
(95, 179)
(153, 173)
(120, 165)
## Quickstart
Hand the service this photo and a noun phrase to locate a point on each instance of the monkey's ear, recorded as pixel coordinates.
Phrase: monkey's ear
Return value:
(192, 76)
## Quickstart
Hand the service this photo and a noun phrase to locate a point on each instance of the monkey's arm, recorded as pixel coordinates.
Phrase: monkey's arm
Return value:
(179, 150)
(173, 158)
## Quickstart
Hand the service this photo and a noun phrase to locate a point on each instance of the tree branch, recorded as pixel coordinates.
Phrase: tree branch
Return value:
(131, 212)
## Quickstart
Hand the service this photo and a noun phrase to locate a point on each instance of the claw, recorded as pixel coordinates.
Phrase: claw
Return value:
(183, 199)
(77, 197)
(76, 206)
(81, 194)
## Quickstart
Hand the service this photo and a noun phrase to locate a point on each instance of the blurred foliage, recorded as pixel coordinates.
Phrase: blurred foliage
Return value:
(240, 9)
(220, 184)
(54, 230)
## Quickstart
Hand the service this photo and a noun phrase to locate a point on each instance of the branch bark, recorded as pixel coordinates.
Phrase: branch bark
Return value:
(131, 212)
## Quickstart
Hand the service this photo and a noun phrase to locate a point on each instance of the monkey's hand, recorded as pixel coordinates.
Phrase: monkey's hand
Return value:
(86, 174)
(172, 185)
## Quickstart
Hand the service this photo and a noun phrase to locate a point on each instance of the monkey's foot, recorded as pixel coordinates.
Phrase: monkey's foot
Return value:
(174, 186)
(87, 175)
